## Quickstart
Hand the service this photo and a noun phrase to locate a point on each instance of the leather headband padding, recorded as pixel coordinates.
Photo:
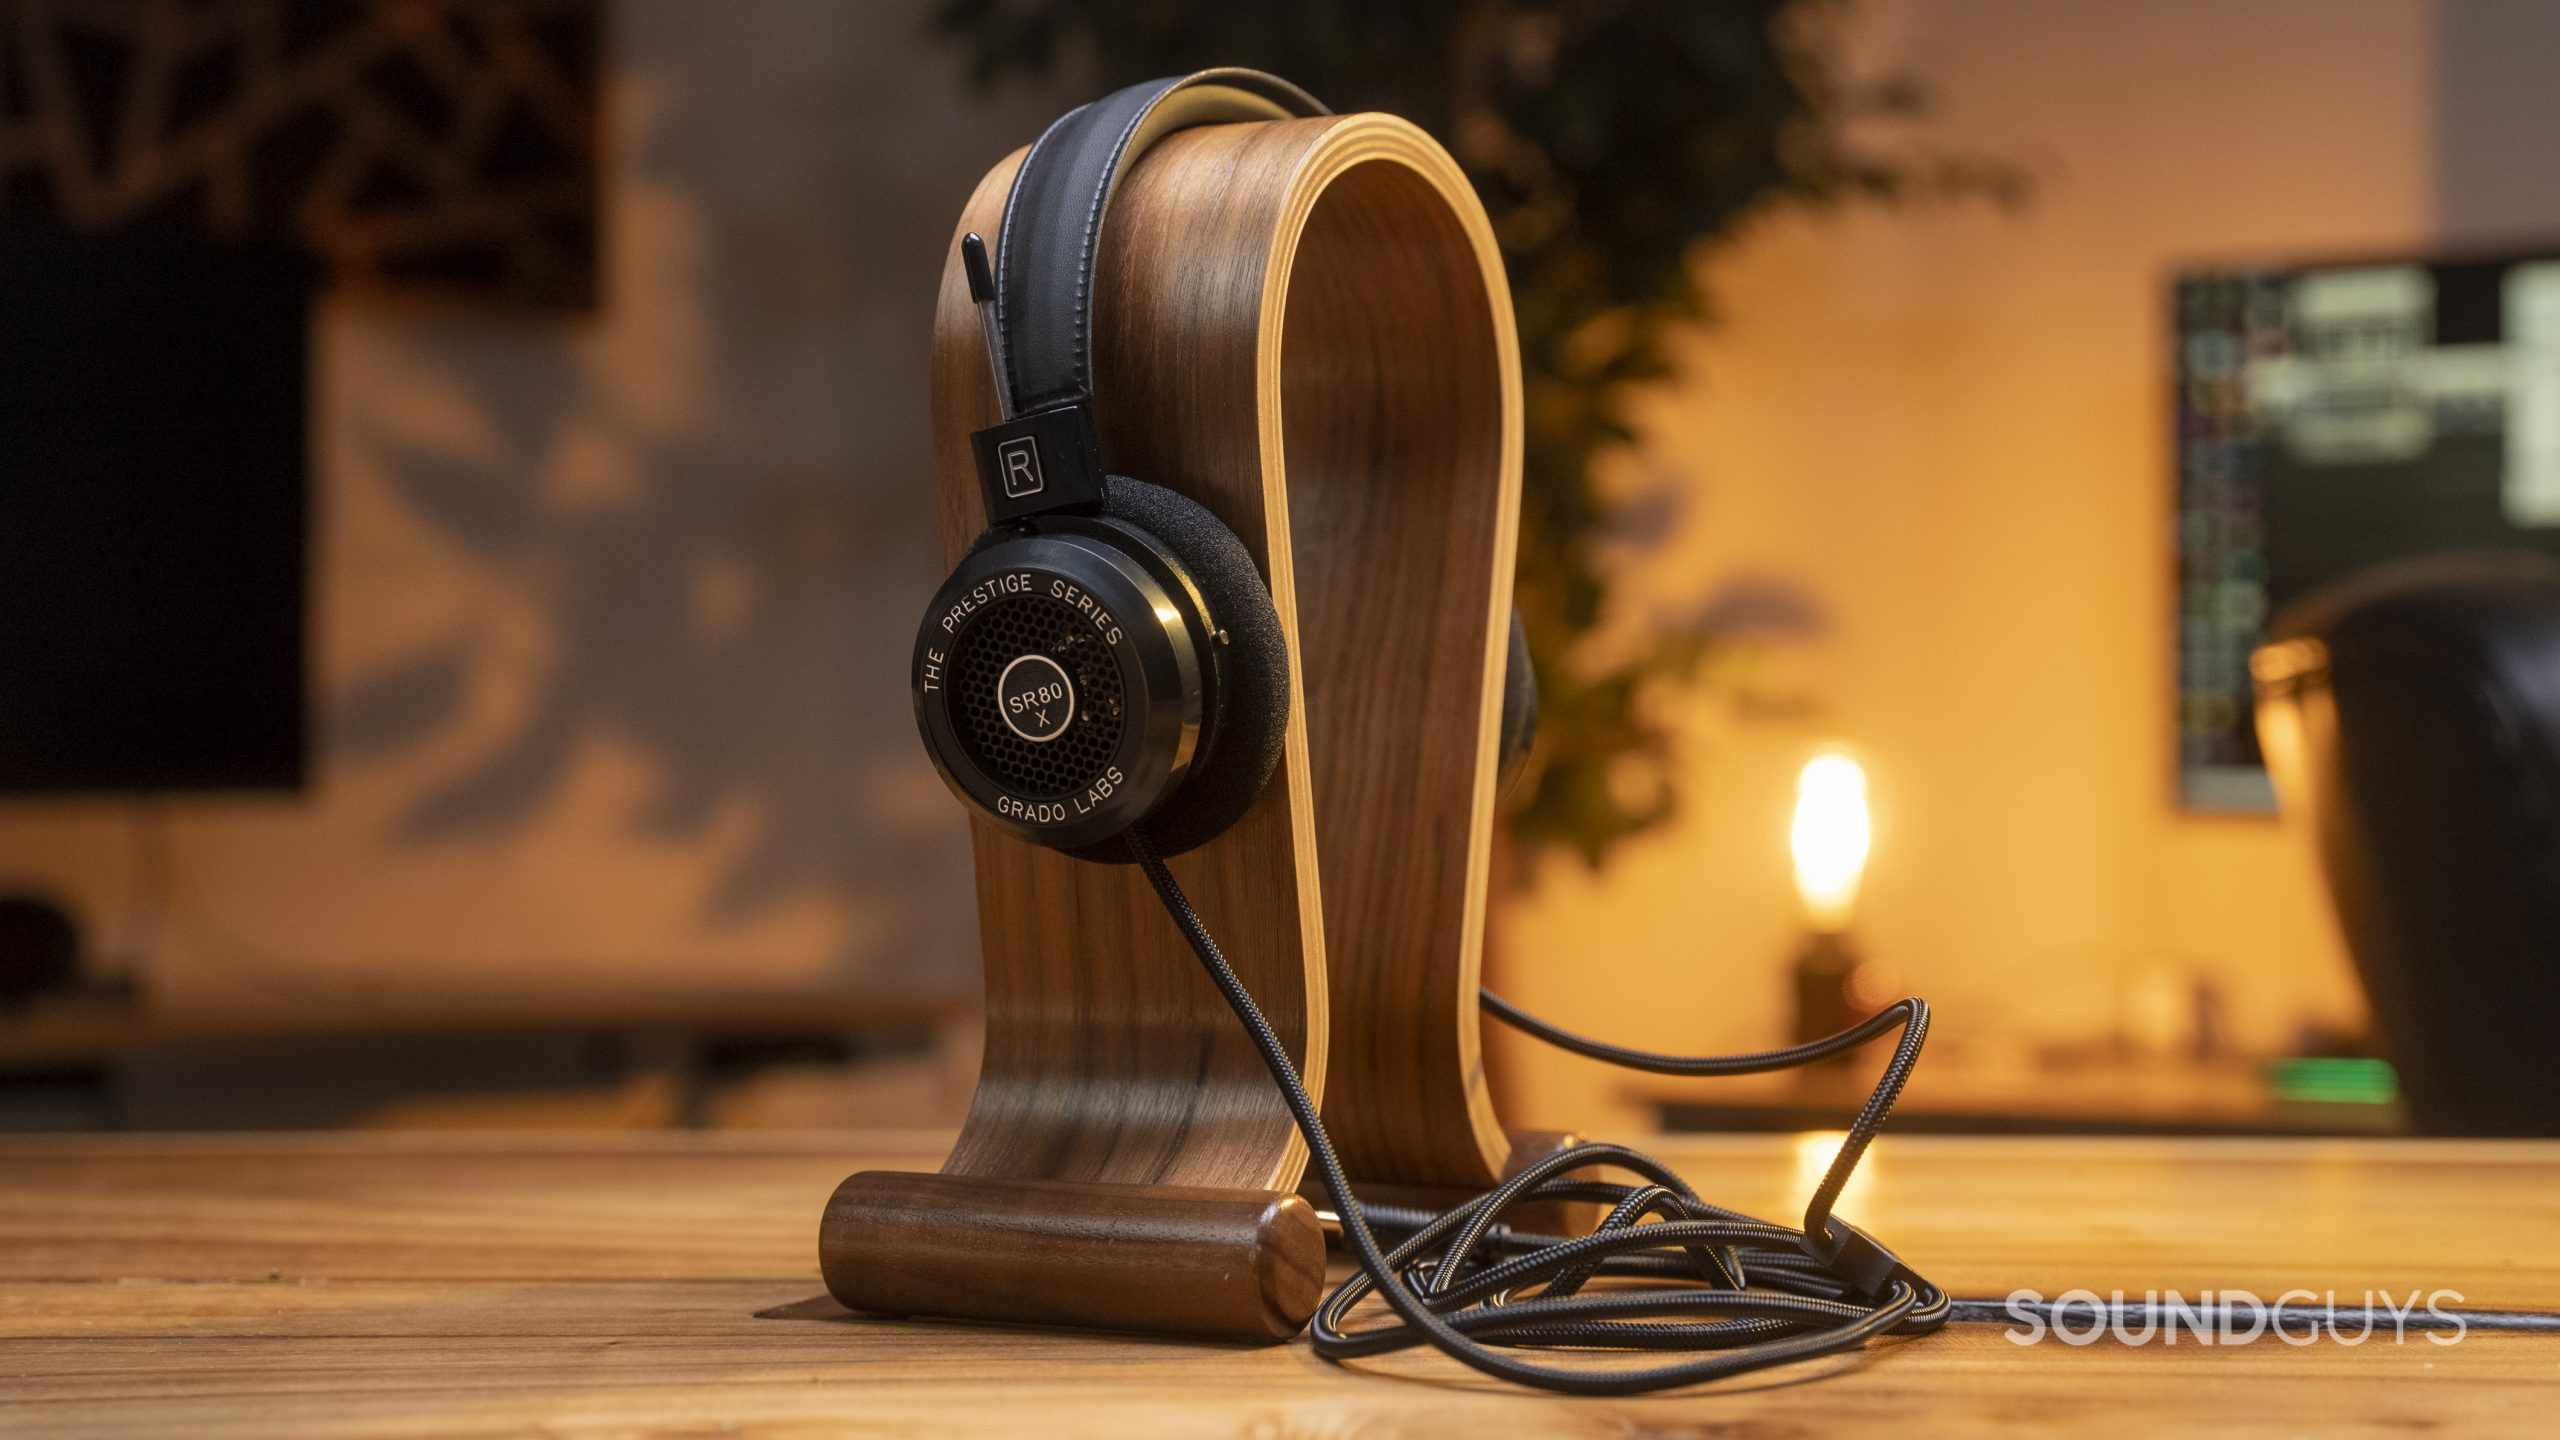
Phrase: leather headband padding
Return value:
(1052, 230)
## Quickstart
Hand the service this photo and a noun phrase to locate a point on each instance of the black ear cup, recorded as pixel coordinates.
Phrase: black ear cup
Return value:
(1246, 713)
(1058, 679)
(1080, 674)
(1519, 710)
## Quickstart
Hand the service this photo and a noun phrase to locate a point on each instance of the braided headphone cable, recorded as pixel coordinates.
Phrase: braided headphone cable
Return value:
(1685, 1275)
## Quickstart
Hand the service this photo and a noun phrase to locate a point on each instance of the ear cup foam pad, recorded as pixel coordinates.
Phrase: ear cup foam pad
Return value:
(1242, 746)
(1519, 710)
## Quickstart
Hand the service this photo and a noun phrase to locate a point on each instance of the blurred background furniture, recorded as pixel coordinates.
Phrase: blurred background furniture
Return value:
(2412, 713)
(1955, 1094)
(93, 1058)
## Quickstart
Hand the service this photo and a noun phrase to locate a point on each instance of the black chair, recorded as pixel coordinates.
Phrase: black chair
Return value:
(2412, 714)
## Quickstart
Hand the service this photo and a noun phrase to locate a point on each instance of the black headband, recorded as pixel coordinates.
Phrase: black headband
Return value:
(1046, 251)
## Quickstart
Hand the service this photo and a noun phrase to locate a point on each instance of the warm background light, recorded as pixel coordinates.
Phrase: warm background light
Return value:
(1944, 427)
(1830, 838)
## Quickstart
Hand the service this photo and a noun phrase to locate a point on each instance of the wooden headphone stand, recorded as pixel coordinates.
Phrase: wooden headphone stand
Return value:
(1304, 326)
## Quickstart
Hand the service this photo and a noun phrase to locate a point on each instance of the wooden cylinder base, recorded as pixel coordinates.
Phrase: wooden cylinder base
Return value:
(1172, 1259)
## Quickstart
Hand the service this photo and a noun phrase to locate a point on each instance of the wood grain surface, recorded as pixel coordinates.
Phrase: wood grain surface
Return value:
(1109, 1058)
(1400, 413)
(610, 1286)
(1303, 326)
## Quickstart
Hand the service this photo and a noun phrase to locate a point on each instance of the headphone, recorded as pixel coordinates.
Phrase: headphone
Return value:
(1106, 655)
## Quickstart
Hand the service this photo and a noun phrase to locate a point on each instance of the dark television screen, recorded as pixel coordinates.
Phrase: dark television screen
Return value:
(2331, 417)
(153, 513)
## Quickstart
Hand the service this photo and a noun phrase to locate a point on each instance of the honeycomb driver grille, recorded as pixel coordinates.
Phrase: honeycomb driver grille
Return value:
(1035, 625)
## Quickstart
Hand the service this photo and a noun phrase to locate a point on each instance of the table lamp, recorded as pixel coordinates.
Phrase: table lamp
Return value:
(1830, 840)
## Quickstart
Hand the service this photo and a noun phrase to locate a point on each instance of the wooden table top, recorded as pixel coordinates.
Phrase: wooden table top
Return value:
(612, 1285)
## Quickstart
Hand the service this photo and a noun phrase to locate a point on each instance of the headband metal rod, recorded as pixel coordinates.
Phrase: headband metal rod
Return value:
(982, 293)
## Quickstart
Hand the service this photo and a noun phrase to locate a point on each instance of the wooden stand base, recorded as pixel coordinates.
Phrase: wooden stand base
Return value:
(1173, 1259)
(1527, 1148)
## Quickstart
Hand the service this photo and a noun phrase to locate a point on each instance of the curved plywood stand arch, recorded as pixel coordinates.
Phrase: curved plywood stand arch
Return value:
(1302, 325)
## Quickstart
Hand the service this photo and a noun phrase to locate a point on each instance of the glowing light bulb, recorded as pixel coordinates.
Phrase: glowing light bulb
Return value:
(1830, 838)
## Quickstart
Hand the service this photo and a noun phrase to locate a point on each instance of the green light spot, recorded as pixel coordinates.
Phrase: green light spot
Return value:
(2334, 1080)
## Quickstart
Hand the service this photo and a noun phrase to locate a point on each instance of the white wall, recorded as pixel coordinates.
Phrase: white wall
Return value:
(612, 614)
(1950, 429)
